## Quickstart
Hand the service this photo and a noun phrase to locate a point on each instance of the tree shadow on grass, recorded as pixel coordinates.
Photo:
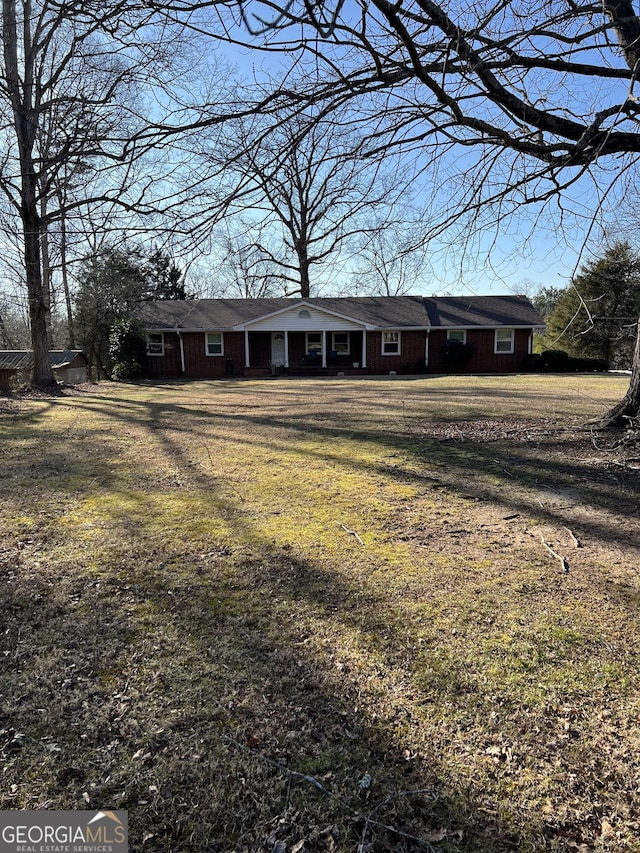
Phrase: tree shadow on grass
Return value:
(188, 699)
(510, 474)
(167, 679)
(172, 683)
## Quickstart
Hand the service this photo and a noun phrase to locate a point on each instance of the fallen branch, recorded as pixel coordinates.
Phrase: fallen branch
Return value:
(563, 560)
(291, 774)
(370, 821)
(574, 539)
(352, 532)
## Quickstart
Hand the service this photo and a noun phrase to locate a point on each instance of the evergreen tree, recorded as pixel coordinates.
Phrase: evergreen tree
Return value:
(112, 285)
(128, 349)
(596, 316)
(165, 279)
(546, 300)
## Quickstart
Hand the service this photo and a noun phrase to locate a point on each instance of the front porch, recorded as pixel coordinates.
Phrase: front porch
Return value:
(282, 371)
(308, 353)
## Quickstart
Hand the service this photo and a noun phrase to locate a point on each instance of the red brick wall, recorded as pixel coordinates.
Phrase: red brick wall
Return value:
(259, 349)
(484, 360)
(167, 365)
(410, 359)
(197, 363)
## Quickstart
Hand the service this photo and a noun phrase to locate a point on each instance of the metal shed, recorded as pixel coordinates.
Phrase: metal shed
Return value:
(69, 366)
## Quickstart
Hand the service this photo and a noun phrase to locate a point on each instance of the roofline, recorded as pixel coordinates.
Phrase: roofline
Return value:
(367, 326)
(303, 303)
(493, 326)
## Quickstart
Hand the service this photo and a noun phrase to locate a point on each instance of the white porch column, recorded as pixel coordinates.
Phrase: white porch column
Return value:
(364, 347)
(182, 364)
(246, 348)
(426, 350)
(324, 347)
(286, 348)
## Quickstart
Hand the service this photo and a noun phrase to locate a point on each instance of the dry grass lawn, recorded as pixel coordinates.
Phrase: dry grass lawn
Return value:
(324, 615)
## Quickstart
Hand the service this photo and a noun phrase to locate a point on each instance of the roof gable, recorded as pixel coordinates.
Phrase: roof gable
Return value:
(304, 315)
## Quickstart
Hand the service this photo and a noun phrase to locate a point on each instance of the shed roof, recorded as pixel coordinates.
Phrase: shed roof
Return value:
(23, 359)
(385, 312)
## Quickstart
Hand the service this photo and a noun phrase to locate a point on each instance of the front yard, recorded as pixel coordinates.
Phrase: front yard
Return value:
(324, 615)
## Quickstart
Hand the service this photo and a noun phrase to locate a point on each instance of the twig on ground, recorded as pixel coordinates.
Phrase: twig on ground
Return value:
(291, 774)
(353, 533)
(370, 821)
(563, 560)
(362, 847)
(574, 539)
(213, 467)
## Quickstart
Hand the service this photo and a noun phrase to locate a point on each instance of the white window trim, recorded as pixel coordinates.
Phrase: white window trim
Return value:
(155, 354)
(399, 341)
(206, 345)
(346, 351)
(511, 349)
(464, 335)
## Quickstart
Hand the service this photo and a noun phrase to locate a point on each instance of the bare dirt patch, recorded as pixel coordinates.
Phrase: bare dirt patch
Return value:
(580, 485)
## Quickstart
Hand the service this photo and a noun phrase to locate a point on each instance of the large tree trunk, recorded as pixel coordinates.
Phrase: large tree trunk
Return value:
(42, 375)
(21, 95)
(624, 412)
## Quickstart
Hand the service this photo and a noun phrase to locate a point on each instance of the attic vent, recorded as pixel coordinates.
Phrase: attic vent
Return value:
(304, 314)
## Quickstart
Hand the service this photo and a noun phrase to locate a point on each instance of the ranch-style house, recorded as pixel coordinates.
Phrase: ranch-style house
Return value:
(203, 338)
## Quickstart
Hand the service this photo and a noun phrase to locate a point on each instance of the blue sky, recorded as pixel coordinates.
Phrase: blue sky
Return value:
(530, 249)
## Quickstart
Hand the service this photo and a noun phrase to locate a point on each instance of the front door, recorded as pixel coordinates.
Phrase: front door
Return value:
(277, 349)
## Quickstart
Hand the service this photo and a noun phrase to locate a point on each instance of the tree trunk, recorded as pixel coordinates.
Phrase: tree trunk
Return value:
(47, 278)
(304, 266)
(624, 412)
(21, 95)
(42, 375)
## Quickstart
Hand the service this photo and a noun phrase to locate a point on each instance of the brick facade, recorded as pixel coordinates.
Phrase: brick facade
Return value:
(484, 359)
(352, 332)
(410, 359)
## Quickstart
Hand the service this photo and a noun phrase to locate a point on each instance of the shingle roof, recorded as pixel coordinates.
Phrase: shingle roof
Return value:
(460, 311)
(379, 311)
(23, 359)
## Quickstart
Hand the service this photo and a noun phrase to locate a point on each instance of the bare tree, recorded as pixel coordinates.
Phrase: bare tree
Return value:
(241, 268)
(509, 105)
(311, 199)
(393, 261)
(75, 124)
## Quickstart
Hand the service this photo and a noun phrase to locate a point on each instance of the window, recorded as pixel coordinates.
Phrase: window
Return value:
(391, 343)
(340, 343)
(214, 343)
(504, 341)
(155, 343)
(314, 342)
(458, 336)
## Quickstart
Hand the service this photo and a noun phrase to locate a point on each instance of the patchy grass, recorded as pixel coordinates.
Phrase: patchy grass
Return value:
(324, 615)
